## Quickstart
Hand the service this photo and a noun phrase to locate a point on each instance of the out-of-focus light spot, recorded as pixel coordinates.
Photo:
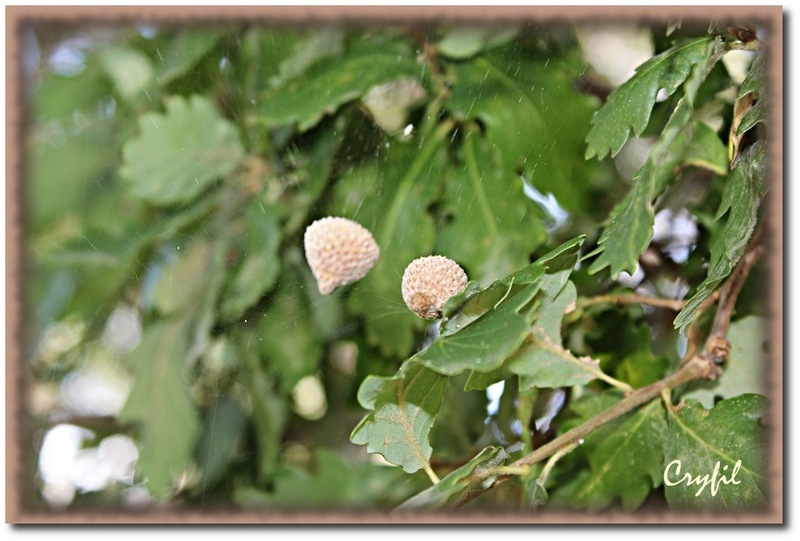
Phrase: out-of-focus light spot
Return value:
(631, 280)
(66, 468)
(548, 202)
(123, 330)
(737, 63)
(615, 50)
(148, 31)
(493, 393)
(632, 156)
(57, 455)
(121, 454)
(676, 232)
(309, 398)
(59, 338)
(94, 391)
(136, 497)
(69, 58)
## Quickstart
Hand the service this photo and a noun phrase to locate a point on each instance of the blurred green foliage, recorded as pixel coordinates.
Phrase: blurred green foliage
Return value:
(175, 171)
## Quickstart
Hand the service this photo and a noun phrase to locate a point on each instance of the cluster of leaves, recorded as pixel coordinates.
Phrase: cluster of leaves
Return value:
(193, 214)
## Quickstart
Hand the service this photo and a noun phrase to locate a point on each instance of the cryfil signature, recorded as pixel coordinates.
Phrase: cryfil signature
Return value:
(673, 477)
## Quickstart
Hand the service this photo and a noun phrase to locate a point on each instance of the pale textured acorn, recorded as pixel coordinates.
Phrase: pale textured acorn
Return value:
(339, 252)
(429, 282)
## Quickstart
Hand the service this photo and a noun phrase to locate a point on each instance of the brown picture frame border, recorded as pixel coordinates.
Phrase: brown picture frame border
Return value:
(16, 443)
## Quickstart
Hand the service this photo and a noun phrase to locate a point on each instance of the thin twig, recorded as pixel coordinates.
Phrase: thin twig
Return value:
(676, 305)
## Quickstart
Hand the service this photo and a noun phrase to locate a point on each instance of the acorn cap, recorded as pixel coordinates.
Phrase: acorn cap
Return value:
(339, 252)
(429, 282)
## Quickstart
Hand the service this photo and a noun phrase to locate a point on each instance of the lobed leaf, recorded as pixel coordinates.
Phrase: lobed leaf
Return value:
(631, 227)
(726, 440)
(179, 153)
(754, 84)
(629, 106)
(625, 460)
(161, 406)
(304, 100)
(741, 199)
(404, 409)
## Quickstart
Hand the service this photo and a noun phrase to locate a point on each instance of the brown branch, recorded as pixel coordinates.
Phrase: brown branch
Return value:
(676, 305)
(704, 365)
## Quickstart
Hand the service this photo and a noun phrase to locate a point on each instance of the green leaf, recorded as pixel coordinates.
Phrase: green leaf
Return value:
(317, 45)
(322, 90)
(130, 70)
(754, 84)
(183, 280)
(260, 267)
(184, 50)
(180, 153)
(707, 444)
(473, 302)
(223, 430)
(629, 106)
(631, 228)
(744, 369)
(463, 42)
(405, 407)
(624, 456)
(543, 361)
(485, 344)
(287, 337)
(492, 228)
(744, 191)
(389, 198)
(333, 484)
(477, 474)
(162, 407)
(533, 118)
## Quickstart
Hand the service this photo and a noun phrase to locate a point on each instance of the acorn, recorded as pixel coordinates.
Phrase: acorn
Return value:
(339, 252)
(428, 283)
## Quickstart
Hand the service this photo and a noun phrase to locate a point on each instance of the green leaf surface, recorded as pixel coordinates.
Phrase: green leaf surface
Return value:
(533, 118)
(744, 191)
(473, 302)
(161, 406)
(709, 444)
(287, 337)
(180, 153)
(333, 484)
(492, 228)
(260, 267)
(624, 457)
(184, 50)
(129, 70)
(631, 228)
(466, 41)
(486, 343)
(477, 474)
(744, 370)
(307, 98)
(754, 84)
(543, 361)
(184, 279)
(629, 106)
(315, 46)
(223, 430)
(405, 407)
